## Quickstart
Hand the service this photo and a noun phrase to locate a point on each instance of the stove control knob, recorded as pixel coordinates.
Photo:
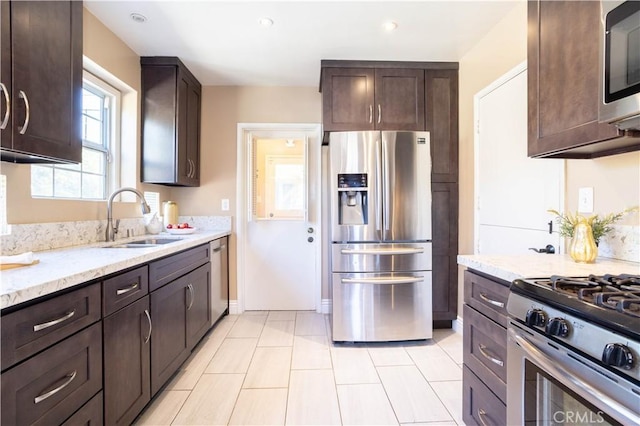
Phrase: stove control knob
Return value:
(618, 355)
(557, 327)
(535, 318)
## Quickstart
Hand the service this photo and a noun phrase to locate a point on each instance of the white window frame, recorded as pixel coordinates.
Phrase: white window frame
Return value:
(112, 178)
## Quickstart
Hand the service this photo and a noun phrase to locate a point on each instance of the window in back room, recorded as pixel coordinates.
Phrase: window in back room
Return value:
(95, 177)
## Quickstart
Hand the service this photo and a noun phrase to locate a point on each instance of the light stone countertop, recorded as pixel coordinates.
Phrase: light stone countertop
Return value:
(511, 267)
(64, 268)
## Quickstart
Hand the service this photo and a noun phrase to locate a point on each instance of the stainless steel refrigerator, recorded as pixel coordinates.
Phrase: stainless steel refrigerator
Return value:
(380, 204)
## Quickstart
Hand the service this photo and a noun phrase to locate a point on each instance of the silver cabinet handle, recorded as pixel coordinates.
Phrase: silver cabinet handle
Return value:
(401, 280)
(7, 104)
(217, 250)
(127, 289)
(481, 415)
(51, 323)
(23, 129)
(52, 392)
(485, 353)
(379, 113)
(146, 340)
(193, 171)
(188, 168)
(491, 301)
(190, 287)
(383, 251)
(370, 114)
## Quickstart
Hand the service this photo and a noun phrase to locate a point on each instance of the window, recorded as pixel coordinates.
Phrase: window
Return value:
(91, 179)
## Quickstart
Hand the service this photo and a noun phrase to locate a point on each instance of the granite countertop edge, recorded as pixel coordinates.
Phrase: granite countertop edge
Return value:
(61, 269)
(511, 267)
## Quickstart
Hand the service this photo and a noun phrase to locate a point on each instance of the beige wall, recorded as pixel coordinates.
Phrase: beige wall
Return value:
(222, 109)
(108, 52)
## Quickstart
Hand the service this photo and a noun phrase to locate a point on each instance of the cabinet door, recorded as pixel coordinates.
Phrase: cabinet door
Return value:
(445, 249)
(169, 339)
(5, 75)
(348, 99)
(199, 299)
(46, 96)
(127, 363)
(563, 78)
(399, 99)
(193, 133)
(442, 123)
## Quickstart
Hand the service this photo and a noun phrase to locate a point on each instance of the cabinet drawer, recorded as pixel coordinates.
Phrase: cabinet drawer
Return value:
(488, 296)
(89, 415)
(29, 330)
(168, 269)
(52, 385)
(121, 290)
(485, 350)
(479, 405)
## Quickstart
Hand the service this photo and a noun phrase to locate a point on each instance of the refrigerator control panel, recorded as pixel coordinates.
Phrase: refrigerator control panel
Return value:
(352, 180)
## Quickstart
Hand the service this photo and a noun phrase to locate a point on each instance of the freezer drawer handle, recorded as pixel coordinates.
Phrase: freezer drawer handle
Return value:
(383, 251)
(402, 280)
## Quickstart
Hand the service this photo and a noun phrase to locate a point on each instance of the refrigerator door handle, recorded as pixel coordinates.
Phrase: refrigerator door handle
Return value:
(384, 281)
(416, 250)
(378, 180)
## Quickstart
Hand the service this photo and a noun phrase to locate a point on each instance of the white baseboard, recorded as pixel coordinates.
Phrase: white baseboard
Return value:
(456, 325)
(233, 307)
(326, 306)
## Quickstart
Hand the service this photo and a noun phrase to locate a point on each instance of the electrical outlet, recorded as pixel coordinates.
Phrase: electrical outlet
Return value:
(225, 204)
(585, 200)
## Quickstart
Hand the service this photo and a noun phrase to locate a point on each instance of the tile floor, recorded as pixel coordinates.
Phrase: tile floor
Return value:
(280, 367)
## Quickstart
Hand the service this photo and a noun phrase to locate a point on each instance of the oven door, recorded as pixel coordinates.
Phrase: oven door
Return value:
(550, 384)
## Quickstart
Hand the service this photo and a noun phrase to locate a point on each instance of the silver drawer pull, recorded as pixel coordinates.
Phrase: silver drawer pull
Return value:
(63, 318)
(7, 105)
(127, 289)
(485, 353)
(22, 130)
(400, 280)
(481, 415)
(146, 340)
(491, 301)
(383, 251)
(52, 392)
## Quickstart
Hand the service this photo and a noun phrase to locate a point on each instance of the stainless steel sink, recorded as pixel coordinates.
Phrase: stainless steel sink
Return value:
(147, 242)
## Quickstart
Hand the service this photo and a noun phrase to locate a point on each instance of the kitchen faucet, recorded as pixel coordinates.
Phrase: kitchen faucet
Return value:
(111, 230)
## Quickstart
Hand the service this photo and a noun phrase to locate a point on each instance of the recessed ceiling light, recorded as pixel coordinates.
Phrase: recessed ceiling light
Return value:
(138, 17)
(266, 22)
(389, 26)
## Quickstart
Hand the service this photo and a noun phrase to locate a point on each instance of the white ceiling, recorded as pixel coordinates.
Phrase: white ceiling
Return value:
(222, 42)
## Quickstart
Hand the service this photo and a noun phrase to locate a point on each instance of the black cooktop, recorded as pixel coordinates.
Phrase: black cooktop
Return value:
(612, 301)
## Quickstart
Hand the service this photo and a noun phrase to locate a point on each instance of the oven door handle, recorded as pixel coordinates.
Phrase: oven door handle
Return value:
(592, 395)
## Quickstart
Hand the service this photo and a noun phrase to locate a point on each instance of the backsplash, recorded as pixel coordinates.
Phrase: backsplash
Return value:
(49, 236)
(622, 243)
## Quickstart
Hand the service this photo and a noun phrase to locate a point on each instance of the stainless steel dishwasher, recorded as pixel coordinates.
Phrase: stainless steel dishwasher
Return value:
(219, 279)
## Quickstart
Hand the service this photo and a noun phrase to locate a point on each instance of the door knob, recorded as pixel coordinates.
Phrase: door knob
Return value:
(549, 249)
(310, 230)
(310, 239)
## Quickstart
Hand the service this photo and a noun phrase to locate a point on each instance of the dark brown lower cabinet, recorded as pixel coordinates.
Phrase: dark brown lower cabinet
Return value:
(180, 312)
(89, 415)
(49, 387)
(445, 250)
(127, 367)
(484, 379)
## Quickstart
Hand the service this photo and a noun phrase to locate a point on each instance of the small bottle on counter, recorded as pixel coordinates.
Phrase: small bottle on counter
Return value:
(170, 213)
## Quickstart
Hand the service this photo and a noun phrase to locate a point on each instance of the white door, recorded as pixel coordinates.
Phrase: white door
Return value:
(281, 246)
(513, 192)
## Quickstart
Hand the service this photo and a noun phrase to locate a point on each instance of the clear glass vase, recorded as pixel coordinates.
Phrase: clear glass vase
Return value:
(583, 247)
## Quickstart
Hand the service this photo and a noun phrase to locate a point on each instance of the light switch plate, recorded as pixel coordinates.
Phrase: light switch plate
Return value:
(225, 204)
(585, 200)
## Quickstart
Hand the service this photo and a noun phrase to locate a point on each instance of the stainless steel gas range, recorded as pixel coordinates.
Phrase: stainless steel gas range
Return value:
(574, 350)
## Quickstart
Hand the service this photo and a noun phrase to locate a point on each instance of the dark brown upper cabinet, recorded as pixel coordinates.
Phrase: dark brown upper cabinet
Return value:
(361, 98)
(41, 76)
(442, 123)
(563, 79)
(171, 102)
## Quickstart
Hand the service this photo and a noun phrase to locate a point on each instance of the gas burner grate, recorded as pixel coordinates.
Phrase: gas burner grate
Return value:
(630, 307)
(616, 299)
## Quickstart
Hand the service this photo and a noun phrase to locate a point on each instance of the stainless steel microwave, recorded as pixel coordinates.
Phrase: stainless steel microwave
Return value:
(620, 64)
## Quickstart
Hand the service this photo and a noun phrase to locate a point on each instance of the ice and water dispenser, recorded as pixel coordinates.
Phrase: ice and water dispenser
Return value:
(352, 199)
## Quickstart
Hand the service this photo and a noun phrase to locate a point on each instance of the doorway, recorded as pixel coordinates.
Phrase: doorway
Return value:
(278, 193)
(512, 191)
